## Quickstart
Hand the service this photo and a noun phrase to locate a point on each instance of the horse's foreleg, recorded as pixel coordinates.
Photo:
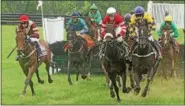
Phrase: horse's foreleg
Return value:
(137, 81)
(31, 71)
(49, 76)
(106, 75)
(124, 88)
(89, 68)
(68, 72)
(77, 73)
(131, 75)
(38, 77)
(112, 77)
(32, 89)
(150, 77)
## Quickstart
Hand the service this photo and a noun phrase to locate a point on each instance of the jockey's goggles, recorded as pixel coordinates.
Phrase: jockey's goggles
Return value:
(168, 22)
(111, 15)
(25, 22)
(139, 15)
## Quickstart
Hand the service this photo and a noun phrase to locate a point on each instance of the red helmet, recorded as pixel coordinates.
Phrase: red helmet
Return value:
(23, 18)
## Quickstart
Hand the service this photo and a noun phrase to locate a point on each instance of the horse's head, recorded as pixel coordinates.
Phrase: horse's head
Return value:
(165, 38)
(143, 34)
(73, 39)
(21, 39)
(112, 52)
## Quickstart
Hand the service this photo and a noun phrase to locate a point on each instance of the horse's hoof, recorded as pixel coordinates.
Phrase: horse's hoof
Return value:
(41, 81)
(136, 91)
(119, 100)
(132, 86)
(33, 94)
(126, 90)
(50, 81)
(70, 83)
(112, 94)
(144, 94)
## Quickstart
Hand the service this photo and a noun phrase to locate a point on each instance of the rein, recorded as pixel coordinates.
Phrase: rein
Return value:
(77, 51)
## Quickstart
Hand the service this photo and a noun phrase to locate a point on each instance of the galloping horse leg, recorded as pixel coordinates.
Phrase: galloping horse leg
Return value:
(32, 89)
(49, 76)
(77, 73)
(131, 75)
(68, 72)
(118, 80)
(112, 77)
(137, 81)
(38, 77)
(150, 77)
(89, 68)
(106, 75)
(28, 79)
(123, 76)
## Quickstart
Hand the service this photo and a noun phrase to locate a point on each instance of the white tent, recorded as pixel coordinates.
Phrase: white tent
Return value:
(175, 10)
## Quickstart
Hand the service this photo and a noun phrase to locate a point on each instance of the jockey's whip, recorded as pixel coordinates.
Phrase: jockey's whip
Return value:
(11, 51)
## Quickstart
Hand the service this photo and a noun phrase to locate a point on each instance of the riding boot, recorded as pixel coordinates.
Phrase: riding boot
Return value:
(39, 51)
(157, 48)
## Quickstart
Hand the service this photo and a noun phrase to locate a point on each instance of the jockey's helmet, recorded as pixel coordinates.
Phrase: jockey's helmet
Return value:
(127, 17)
(75, 14)
(93, 7)
(111, 11)
(139, 10)
(168, 18)
(23, 18)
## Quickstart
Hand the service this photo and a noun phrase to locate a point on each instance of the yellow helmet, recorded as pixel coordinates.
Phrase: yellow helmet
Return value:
(168, 18)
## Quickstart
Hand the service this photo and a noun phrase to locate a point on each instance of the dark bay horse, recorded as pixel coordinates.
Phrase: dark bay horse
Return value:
(114, 64)
(28, 60)
(170, 55)
(78, 56)
(143, 60)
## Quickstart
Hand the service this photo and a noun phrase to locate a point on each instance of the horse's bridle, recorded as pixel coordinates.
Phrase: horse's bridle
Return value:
(21, 52)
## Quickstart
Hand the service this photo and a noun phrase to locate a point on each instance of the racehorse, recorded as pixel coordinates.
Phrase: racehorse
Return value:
(78, 56)
(170, 55)
(114, 63)
(28, 61)
(143, 59)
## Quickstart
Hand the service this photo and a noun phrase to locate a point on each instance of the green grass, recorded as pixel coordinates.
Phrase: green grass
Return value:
(81, 92)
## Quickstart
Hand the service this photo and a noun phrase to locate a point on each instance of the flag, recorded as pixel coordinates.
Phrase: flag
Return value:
(39, 4)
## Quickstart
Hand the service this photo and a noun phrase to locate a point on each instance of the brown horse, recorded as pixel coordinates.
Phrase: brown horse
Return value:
(170, 55)
(28, 60)
(94, 29)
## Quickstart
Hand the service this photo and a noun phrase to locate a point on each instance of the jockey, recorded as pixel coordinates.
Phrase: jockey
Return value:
(138, 15)
(127, 21)
(168, 24)
(32, 32)
(120, 29)
(79, 25)
(95, 15)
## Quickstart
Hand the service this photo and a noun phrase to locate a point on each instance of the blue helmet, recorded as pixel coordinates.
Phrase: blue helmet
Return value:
(139, 10)
(75, 14)
(127, 17)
